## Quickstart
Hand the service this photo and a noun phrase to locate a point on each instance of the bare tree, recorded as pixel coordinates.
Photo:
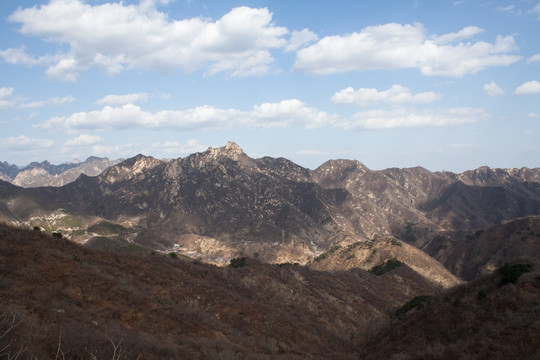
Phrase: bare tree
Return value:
(6, 350)
(118, 350)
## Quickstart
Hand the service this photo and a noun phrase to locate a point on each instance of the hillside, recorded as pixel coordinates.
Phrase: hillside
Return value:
(368, 255)
(223, 203)
(58, 297)
(481, 252)
(495, 317)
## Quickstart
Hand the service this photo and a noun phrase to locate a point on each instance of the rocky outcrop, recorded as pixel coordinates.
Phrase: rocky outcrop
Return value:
(283, 212)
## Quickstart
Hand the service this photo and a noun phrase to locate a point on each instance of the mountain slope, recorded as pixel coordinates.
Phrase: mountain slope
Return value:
(482, 252)
(69, 298)
(223, 203)
(494, 317)
(368, 255)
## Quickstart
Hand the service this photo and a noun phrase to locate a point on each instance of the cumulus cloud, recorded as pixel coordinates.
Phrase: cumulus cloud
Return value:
(396, 46)
(396, 95)
(300, 38)
(511, 9)
(51, 101)
(536, 10)
(5, 101)
(5, 92)
(493, 89)
(123, 99)
(83, 140)
(25, 144)
(266, 115)
(19, 56)
(174, 148)
(115, 151)
(530, 87)
(534, 58)
(463, 34)
(505, 8)
(404, 118)
(117, 36)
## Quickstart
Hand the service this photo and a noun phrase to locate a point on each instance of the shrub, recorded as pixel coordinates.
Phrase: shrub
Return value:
(173, 255)
(409, 232)
(238, 262)
(57, 235)
(416, 302)
(510, 273)
(482, 294)
(390, 265)
(330, 251)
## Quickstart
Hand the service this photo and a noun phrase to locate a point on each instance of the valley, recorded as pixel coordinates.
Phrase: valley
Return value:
(220, 255)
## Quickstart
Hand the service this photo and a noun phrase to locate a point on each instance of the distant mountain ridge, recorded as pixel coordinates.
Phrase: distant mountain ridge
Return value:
(222, 203)
(46, 174)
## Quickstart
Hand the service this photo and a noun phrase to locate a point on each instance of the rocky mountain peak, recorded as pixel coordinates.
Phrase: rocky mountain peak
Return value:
(231, 150)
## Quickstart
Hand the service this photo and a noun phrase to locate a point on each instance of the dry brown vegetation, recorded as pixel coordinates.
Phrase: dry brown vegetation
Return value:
(60, 300)
(485, 319)
(483, 251)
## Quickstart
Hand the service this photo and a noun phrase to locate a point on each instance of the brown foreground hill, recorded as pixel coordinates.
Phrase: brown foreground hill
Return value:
(59, 300)
(494, 317)
(471, 255)
(62, 300)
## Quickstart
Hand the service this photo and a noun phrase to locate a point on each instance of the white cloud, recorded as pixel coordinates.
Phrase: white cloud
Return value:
(123, 99)
(19, 56)
(534, 58)
(266, 115)
(511, 9)
(5, 92)
(463, 34)
(404, 118)
(396, 46)
(5, 100)
(300, 38)
(536, 10)
(116, 36)
(530, 87)
(51, 101)
(505, 8)
(397, 94)
(114, 151)
(493, 89)
(169, 149)
(83, 140)
(22, 143)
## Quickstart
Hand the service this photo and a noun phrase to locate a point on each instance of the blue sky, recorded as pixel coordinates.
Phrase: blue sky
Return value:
(447, 85)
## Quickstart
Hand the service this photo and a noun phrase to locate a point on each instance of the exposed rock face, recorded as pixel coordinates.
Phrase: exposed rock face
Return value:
(46, 174)
(367, 255)
(283, 212)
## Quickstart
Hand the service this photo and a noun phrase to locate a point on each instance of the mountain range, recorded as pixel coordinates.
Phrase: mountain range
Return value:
(323, 263)
(223, 204)
(46, 174)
